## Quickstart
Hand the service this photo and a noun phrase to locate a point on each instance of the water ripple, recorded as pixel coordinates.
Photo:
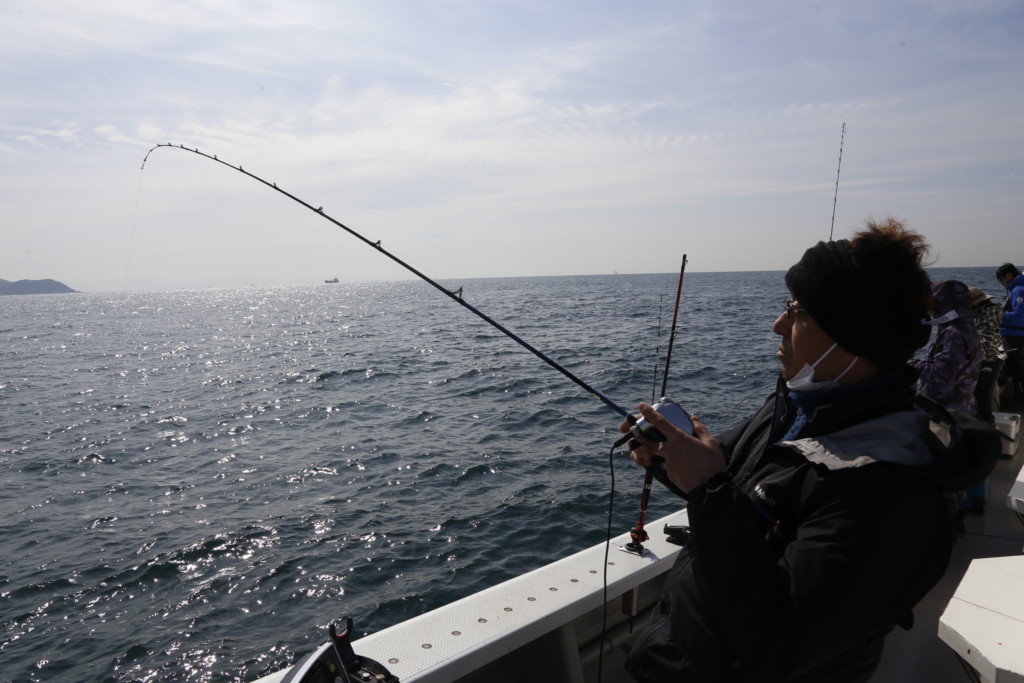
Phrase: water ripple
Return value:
(199, 481)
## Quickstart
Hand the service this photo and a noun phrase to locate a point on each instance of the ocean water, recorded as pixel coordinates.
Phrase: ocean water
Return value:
(195, 483)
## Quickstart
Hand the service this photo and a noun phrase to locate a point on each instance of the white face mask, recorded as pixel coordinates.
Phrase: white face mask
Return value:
(948, 316)
(804, 380)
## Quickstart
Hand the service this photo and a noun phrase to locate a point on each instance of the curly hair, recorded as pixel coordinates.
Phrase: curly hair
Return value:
(871, 293)
(894, 258)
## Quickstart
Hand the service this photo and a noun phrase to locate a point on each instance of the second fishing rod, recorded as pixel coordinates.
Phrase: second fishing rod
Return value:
(641, 431)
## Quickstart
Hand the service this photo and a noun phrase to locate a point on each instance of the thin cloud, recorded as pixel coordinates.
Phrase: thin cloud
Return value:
(477, 132)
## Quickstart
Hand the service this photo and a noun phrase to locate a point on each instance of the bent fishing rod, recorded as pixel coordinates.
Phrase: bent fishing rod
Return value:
(455, 296)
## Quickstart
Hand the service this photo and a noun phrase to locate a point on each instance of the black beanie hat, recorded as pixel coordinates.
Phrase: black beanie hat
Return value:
(862, 300)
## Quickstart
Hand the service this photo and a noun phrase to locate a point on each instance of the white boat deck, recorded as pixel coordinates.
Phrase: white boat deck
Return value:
(1015, 498)
(984, 621)
(1010, 425)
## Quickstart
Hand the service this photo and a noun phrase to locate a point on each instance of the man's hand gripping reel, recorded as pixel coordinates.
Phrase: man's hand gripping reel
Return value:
(643, 431)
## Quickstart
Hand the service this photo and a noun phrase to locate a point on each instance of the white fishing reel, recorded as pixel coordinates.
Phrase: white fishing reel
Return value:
(668, 409)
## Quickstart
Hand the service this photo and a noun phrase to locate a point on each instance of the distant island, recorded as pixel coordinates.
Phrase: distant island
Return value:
(34, 287)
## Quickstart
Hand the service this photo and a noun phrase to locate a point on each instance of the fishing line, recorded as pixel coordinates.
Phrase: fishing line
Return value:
(455, 296)
(839, 168)
(637, 534)
(657, 351)
(131, 239)
(604, 586)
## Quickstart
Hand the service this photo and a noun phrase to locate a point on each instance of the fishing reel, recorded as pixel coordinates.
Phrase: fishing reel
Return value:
(336, 662)
(645, 431)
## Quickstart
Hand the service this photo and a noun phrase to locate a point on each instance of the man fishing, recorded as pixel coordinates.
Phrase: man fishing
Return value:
(818, 523)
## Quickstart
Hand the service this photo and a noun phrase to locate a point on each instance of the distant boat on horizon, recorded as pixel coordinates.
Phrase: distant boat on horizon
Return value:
(332, 281)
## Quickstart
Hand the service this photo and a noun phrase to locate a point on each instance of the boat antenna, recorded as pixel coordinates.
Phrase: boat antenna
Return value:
(836, 195)
(455, 296)
(637, 534)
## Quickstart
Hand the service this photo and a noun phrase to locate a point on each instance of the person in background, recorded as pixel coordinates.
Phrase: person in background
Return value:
(949, 371)
(1012, 326)
(818, 523)
(987, 315)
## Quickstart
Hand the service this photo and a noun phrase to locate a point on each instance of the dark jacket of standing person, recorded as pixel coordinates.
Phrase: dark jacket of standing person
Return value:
(1013, 309)
(818, 523)
(949, 371)
(1012, 326)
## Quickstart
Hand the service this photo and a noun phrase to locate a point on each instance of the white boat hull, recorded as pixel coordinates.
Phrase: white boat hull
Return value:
(545, 625)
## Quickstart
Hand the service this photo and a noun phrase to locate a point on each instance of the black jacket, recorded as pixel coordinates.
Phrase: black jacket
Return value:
(804, 554)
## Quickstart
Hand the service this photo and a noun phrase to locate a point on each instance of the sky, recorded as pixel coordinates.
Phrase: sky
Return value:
(493, 138)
